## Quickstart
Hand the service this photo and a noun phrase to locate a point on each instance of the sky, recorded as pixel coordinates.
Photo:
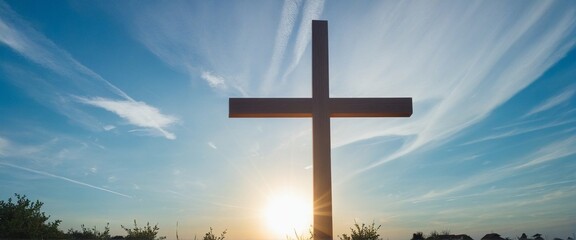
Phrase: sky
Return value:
(114, 111)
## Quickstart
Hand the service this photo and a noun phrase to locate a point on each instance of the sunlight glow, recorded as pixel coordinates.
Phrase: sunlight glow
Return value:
(286, 214)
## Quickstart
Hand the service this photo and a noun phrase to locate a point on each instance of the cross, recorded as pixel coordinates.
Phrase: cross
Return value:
(320, 108)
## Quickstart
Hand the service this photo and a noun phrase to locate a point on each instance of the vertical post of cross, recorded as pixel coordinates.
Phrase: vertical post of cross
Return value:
(322, 186)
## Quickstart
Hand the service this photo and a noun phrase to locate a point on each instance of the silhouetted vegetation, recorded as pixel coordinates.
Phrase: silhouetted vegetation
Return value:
(143, 233)
(21, 218)
(211, 236)
(89, 233)
(362, 232)
(443, 235)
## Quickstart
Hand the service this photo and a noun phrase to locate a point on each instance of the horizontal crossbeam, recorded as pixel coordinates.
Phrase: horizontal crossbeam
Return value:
(270, 107)
(302, 107)
(370, 107)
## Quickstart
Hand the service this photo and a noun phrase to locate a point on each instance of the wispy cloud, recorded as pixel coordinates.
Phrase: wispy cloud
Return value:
(33, 45)
(311, 11)
(136, 113)
(214, 80)
(3, 146)
(199, 51)
(552, 102)
(76, 79)
(63, 178)
(555, 150)
(453, 86)
(285, 28)
(519, 131)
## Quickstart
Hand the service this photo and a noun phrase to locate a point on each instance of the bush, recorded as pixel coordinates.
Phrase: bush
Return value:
(23, 219)
(211, 236)
(363, 232)
(145, 233)
(418, 236)
(87, 233)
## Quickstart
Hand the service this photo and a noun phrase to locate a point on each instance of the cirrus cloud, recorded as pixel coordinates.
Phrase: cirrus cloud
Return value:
(136, 113)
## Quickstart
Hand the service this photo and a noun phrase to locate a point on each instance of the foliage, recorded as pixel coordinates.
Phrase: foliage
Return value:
(363, 232)
(435, 235)
(211, 236)
(89, 233)
(418, 236)
(144, 233)
(23, 219)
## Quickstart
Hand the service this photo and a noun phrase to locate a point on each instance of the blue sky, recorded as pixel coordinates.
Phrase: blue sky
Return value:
(114, 111)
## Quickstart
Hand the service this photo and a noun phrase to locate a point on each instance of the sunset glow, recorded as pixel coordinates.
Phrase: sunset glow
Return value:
(287, 214)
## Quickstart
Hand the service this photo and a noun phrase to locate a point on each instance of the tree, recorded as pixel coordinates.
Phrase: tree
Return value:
(363, 232)
(418, 236)
(145, 233)
(211, 236)
(91, 233)
(23, 219)
(434, 235)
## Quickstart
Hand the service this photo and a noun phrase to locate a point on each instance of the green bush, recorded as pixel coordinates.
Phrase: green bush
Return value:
(145, 233)
(89, 233)
(363, 232)
(23, 219)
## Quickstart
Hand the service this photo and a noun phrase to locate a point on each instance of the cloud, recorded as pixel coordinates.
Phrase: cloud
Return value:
(159, 27)
(421, 50)
(4, 145)
(48, 150)
(552, 102)
(64, 178)
(555, 150)
(213, 80)
(136, 113)
(34, 46)
(78, 80)
(112, 179)
(285, 28)
(516, 132)
(454, 86)
(311, 11)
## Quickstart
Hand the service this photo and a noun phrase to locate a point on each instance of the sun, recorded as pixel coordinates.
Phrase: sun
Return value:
(286, 213)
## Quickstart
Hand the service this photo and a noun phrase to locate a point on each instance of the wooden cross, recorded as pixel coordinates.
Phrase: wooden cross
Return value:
(320, 108)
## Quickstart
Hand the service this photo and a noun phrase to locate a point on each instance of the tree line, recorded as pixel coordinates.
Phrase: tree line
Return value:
(21, 218)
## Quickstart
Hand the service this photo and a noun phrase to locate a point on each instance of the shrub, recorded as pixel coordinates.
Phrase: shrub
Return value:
(91, 233)
(23, 219)
(363, 232)
(211, 236)
(145, 233)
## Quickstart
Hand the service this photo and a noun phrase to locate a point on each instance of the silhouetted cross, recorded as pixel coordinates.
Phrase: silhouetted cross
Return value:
(320, 107)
